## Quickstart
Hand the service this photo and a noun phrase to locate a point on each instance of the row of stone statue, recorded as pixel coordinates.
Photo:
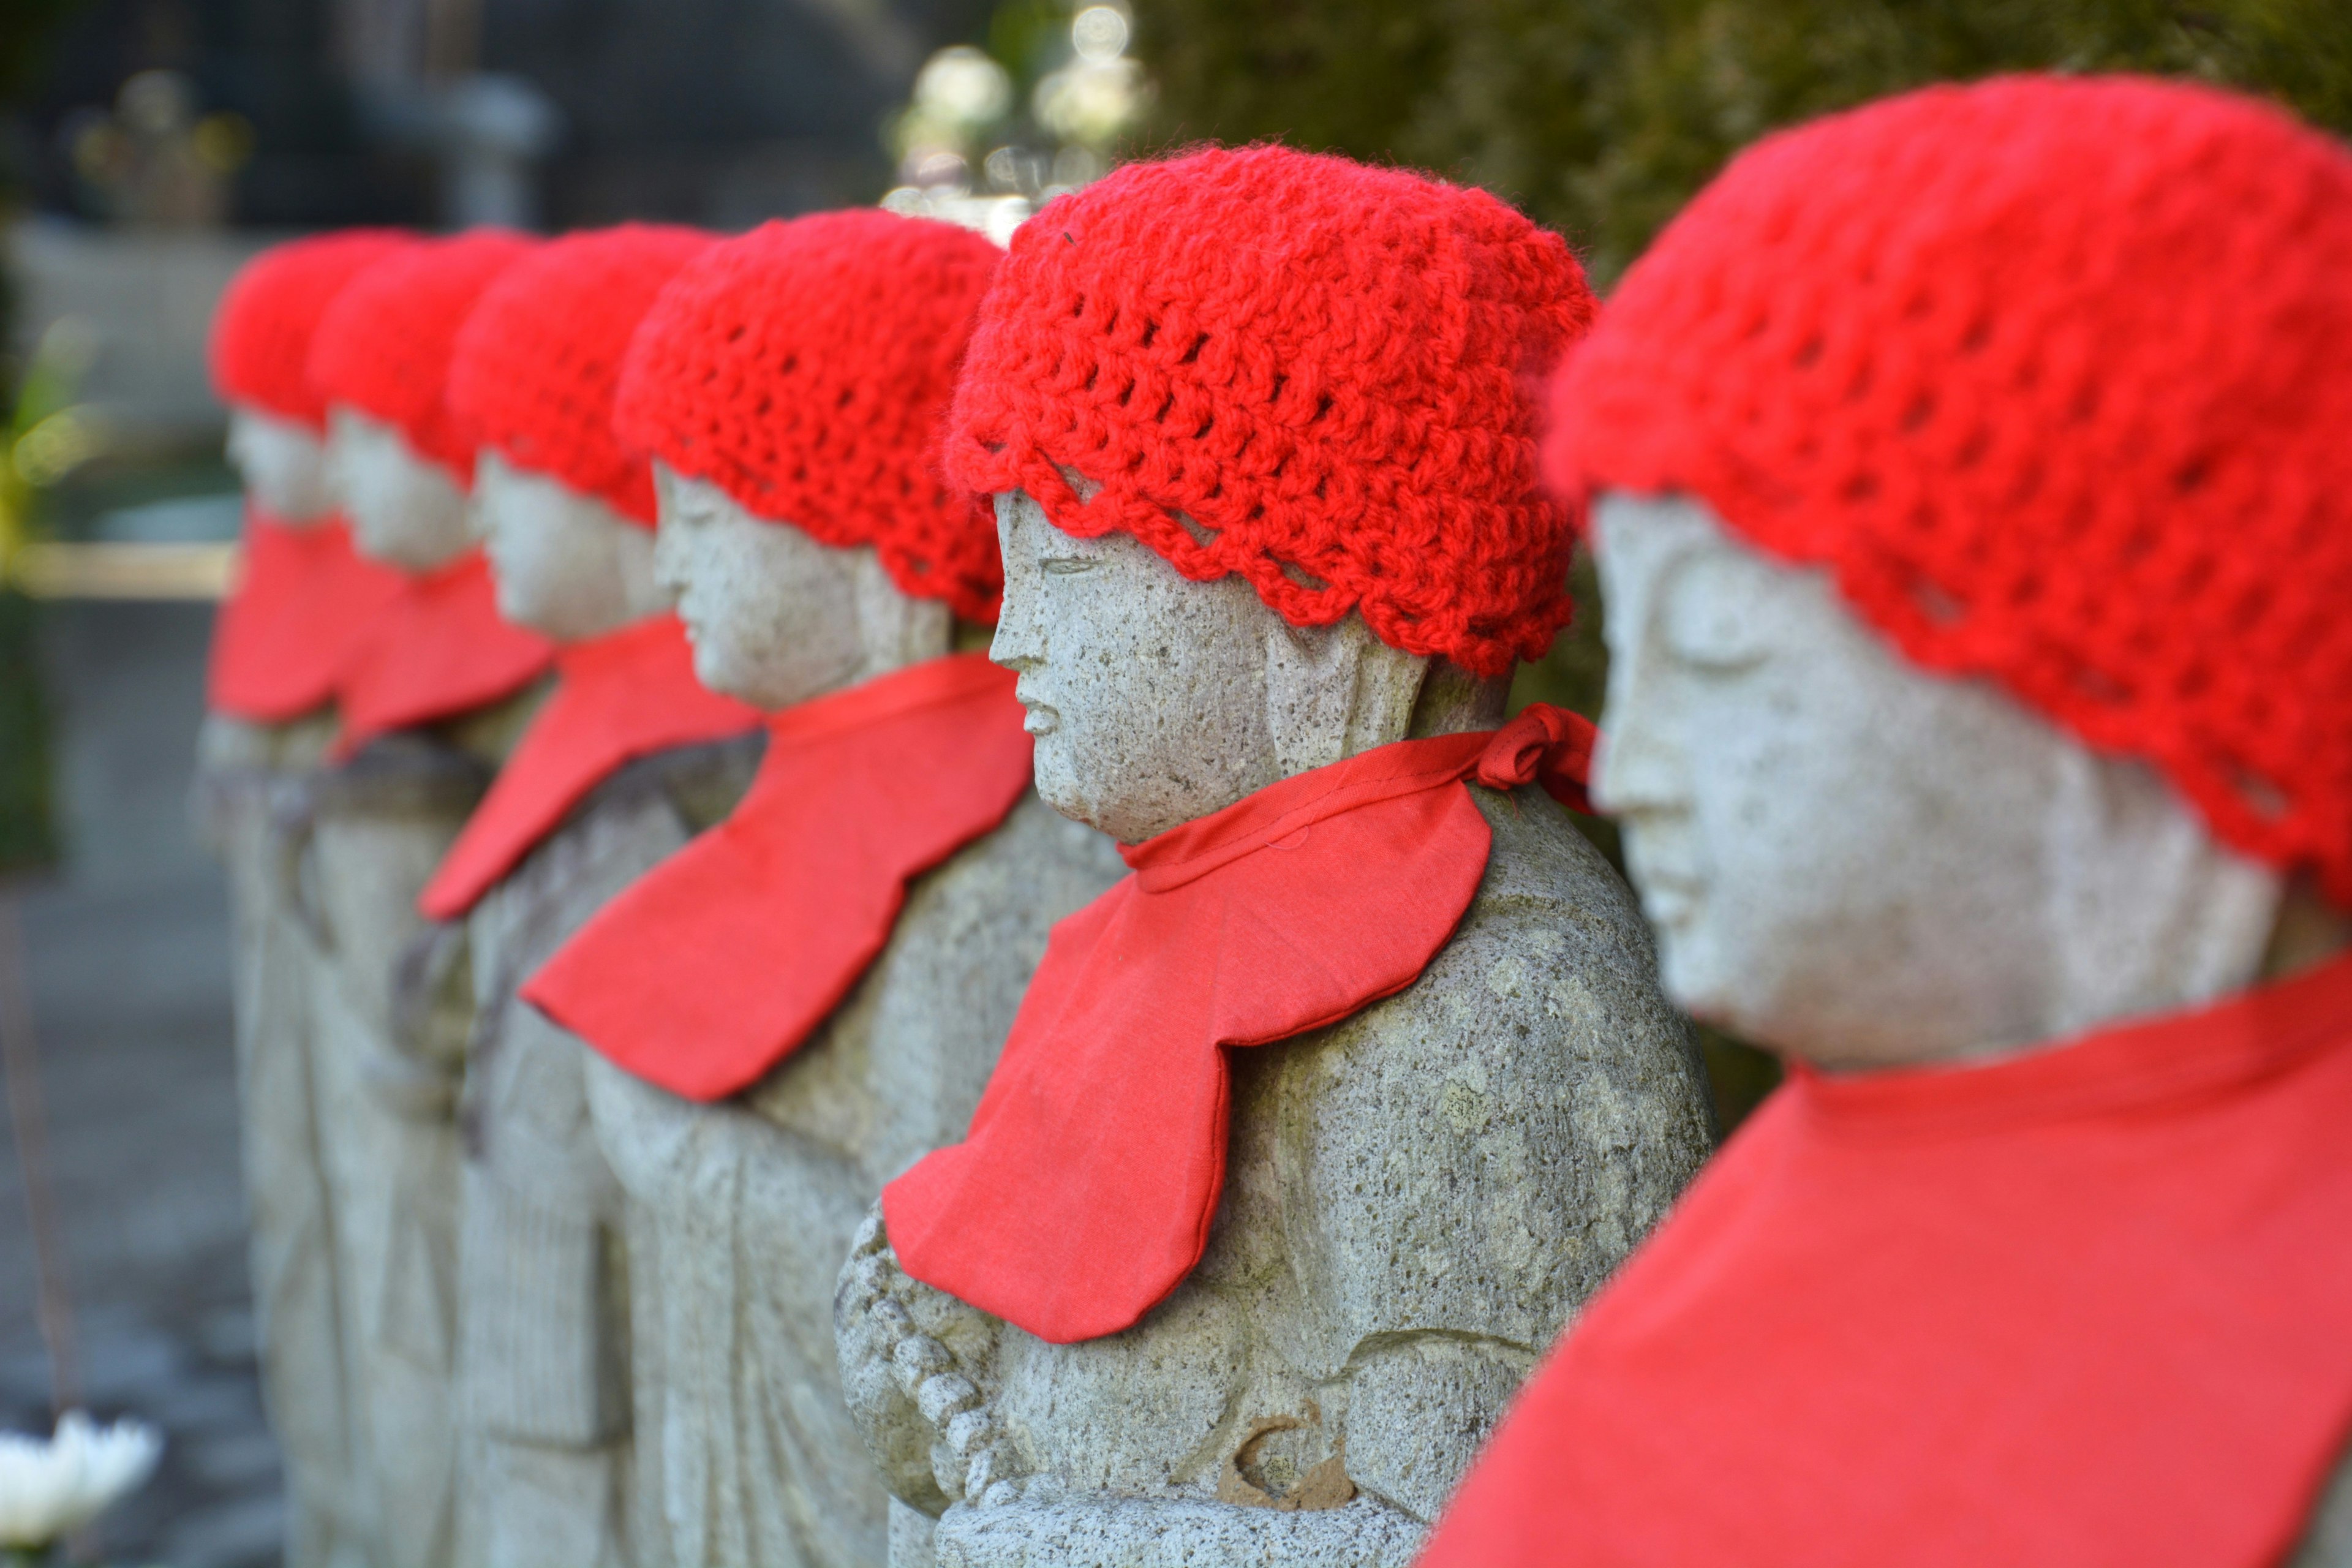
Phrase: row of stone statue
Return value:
(888, 909)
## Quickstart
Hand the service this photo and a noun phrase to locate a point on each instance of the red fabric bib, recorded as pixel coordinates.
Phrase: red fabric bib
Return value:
(2092, 1306)
(1084, 1192)
(617, 697)
(302, 597)
(440, 649)
(715, 966)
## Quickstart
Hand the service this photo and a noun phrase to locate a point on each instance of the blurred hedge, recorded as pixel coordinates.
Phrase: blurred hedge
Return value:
(1600, 118)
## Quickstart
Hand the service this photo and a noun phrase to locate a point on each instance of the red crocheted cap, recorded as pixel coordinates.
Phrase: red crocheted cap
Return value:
(536, 363)
(261, 330)
(384, 345)
(1324, 367)
(803, 368)
(2056, 377)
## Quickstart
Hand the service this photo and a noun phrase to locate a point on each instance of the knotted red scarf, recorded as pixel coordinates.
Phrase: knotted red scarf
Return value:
(715, 966)
(1084, 1192)
(439, 649)
(617, 697)
(302, 597)
(2089, 1307)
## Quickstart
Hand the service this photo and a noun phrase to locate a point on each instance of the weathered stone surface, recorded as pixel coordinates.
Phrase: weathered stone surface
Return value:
(1417, 1200)
(543, 1365)
(250, 785)
(741, 1211)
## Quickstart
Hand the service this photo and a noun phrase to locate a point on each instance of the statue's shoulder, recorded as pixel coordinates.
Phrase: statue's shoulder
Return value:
(1019, 877)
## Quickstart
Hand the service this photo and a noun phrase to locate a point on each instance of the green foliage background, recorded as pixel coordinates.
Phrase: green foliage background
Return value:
(26, 826)
(1600, 118)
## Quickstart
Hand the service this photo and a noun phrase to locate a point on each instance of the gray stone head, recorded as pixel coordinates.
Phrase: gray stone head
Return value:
(1156, 700)
(775, 617)
(1866, 864)
(405, 509)
(283, 463)
(565, 564)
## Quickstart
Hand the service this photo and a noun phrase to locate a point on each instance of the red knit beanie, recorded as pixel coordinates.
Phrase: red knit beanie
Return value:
(536, 363)
(261, 331)
(2056, 377)
(382, 347)
(1324, 367)
(804, 368)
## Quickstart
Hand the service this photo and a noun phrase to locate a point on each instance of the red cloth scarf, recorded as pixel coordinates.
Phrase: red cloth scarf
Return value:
(617, 697)
(2090, 1306)
(715, 966)
(1084, 1192)
(302, 597)
(439, 649)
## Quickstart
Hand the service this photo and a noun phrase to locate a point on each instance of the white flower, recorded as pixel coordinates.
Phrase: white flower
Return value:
(51, 1487)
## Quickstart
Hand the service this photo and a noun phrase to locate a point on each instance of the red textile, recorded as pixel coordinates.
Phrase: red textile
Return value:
(2055, 376)
(2089, 1307)
(617, 697)
(303, 596)
(384, 345)
(437, 651)
(1084, 1192)
(805, 369)
(717, 965)
(536, 363)
(261, 331)
(1323, 366)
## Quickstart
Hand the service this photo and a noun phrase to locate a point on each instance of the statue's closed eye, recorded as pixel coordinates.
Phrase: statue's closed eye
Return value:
(1063, 565)
(1709, 616)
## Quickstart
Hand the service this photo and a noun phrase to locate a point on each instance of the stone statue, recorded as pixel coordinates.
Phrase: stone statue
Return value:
(1949, 768)
(543, 1266)
(251, 775)
(1311, 1391)
(391, 1054)
(627, 759)
(739, 1211)
(279, 643)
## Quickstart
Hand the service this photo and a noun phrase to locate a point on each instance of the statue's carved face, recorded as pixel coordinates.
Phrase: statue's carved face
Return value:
(405, 509)
(565, 564)
(283, 464)
(772, 614)
(1866, 864)
(1147, 692)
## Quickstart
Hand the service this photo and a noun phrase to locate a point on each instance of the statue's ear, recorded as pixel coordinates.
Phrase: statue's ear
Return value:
(1333, 691)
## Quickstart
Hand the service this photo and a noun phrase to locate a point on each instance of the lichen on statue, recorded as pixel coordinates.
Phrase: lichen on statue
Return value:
(1312, 1132)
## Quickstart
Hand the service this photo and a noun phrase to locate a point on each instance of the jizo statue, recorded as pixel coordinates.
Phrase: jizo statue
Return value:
(301, 598)
(1311, 1133)
(625, 761)
(1980, 723)
(809, 997)
(428, 699)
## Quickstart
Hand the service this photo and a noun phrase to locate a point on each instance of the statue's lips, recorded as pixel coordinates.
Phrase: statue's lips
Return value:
(1037, 717)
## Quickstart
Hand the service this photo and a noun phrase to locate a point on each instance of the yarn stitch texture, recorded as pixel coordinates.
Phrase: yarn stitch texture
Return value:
(262, 330)
(2055, 377)
(535, 365)
(1312, 373)
(384, 345)
(803, 368)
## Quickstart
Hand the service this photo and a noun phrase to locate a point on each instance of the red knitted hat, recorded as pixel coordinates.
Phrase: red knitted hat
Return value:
(261, 331)
(2056, 377)
(1323, 366)
(537, 362)
(384, 345)
(804, 368)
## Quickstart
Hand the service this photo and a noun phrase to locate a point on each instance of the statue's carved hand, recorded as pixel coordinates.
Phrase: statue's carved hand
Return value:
(432, 1015)
(917, 1367)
